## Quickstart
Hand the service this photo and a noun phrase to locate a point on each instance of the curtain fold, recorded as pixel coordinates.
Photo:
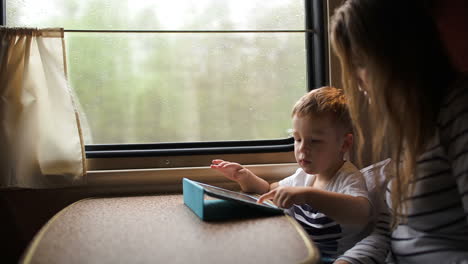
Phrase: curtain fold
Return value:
(40, 133)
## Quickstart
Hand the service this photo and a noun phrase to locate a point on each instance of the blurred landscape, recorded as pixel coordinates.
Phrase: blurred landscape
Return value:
(178, 87)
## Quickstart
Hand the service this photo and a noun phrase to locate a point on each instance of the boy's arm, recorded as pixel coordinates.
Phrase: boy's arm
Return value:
(248, 181)
(343, 208)
(274, 186)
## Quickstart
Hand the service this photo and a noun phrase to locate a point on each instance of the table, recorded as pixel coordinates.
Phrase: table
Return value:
(161, 229)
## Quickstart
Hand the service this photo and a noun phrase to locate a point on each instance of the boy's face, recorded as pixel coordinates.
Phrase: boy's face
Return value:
(319, 145)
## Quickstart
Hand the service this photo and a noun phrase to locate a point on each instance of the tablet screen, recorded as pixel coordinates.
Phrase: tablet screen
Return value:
(227, 194)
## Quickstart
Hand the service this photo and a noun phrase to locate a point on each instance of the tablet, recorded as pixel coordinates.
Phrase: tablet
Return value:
(221, 193)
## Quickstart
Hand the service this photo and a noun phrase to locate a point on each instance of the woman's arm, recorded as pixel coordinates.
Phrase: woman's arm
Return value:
(454, 136)
(375, 247)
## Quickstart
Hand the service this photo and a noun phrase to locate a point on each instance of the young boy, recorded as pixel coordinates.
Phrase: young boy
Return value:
(327, 195)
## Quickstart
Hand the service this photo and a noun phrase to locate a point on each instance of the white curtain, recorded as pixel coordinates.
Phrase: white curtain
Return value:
(41, 143)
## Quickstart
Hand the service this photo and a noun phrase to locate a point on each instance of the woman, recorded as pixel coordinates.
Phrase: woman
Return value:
(391, 57)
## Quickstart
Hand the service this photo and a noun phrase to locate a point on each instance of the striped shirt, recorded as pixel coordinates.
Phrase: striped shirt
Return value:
(436, 230)
(332, 238)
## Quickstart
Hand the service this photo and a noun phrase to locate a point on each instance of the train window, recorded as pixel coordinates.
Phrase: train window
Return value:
(151, 72)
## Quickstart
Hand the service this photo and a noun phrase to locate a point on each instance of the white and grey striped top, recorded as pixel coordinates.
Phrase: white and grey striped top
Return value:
(330, 237)
(436, 230)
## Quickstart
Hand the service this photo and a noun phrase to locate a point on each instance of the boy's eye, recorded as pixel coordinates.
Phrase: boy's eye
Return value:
(313, 141)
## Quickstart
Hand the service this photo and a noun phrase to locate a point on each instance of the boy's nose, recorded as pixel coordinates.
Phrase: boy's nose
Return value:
(303, 151)
(303, 148)
(300, 156)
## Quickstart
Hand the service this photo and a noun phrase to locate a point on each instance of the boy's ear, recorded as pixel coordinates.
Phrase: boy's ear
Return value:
(347, 143)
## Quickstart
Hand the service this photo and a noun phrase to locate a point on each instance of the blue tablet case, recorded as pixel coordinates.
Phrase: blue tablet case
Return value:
(213, 210)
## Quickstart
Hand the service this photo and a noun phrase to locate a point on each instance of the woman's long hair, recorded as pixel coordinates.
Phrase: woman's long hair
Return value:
(408, 70)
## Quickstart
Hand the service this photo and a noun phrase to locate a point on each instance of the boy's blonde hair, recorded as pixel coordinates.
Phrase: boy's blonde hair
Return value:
(325, 100)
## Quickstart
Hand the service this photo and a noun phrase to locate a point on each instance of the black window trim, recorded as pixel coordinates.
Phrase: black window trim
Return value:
(189, 148)
(316, 77)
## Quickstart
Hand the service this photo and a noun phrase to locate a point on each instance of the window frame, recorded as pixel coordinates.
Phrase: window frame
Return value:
(316, 72)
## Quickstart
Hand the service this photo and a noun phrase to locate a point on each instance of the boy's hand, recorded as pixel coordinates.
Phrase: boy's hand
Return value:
(229, 169)
(341, 262)
(285, 197)
(248, 181)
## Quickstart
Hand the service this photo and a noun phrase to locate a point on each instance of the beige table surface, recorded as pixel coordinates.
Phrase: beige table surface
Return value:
(161, 229)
